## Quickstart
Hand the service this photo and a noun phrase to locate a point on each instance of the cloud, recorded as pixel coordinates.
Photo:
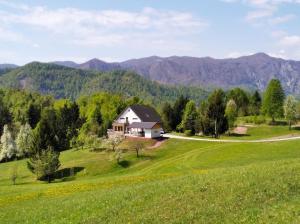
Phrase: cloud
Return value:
(282, 19)
(105, 27)
(290, 41)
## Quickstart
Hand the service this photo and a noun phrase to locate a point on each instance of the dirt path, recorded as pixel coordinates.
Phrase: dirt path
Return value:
(279, 139)
(157, 144)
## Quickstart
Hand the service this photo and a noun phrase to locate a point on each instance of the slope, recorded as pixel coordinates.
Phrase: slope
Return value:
(181, 182)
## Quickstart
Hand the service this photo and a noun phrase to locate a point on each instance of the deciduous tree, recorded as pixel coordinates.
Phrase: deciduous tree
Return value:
(8, 146)
(290, 110)
(231, 113)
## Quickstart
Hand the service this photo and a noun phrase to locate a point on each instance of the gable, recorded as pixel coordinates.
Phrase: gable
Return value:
(146, 113)
(130, 114)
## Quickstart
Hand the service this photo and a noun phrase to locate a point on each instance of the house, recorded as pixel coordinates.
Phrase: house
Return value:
(138, 121)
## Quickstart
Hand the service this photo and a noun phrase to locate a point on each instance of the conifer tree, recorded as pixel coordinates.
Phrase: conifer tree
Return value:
(273, 100)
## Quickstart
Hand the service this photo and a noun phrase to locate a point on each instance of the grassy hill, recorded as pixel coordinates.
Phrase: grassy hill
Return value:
(180, 182)
(64, 82)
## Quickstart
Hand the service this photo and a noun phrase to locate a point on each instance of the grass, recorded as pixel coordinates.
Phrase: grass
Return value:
(258, 132)
(180, 182)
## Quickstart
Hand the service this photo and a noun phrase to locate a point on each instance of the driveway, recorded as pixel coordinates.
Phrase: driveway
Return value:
(279, 139)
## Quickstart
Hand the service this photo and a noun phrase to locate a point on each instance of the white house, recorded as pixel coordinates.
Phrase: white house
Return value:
(139, 121)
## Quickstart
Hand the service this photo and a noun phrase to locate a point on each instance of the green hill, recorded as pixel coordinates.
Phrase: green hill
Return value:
(64, 82)
(180, 182)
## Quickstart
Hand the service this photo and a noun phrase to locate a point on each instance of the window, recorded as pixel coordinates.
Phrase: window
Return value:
(134, 118)
(122, 118)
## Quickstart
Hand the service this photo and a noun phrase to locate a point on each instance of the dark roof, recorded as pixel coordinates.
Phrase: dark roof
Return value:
(146, 113)
(146, 125)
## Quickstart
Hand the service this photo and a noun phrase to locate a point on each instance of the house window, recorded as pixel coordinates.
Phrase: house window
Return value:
(134, 118)
(116, 128)
(122, 118)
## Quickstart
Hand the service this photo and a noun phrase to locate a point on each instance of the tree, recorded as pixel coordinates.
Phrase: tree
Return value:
(204, 123)
(8, 146)
(290, 110)
(273, 100)
(231, 113)
(255, 103)
(24, 140)
(138, 146)
(44, 164)
(33, 115)
(167, 117)
(216, 111)
(241, 100)
(113, 141)
(47, 132)
(14, 174)
(189, 117)
(5, 116)
(178, 109)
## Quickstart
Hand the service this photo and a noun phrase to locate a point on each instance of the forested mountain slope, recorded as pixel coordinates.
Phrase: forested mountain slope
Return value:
(66, 82)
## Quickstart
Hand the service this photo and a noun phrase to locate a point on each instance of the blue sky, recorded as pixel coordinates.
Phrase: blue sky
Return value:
(117, 30)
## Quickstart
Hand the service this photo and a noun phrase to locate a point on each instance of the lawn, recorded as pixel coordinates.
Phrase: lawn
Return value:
(180, 182)
(259, 132)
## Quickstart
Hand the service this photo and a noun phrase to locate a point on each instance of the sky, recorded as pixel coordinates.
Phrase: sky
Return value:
(118, 30)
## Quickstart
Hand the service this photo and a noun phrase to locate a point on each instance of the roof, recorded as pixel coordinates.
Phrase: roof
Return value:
(146, 113)
(145, 125)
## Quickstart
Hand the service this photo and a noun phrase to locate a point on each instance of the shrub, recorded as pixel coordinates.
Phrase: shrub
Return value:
(188, 133)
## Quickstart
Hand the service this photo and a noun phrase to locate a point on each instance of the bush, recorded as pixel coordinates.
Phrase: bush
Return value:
(188, 133)
(254, 119)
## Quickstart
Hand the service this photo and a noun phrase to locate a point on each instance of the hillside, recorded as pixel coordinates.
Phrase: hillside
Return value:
(180, 182)
(65, 82)
(253, 72)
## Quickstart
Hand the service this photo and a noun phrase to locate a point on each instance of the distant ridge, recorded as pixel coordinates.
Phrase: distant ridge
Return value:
(251, 72)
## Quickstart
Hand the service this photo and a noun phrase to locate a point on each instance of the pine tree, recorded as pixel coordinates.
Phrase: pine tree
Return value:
(216, 111)
(189, 117)
(24, 140)
(273, 100)
(167, 117)
(290, 110)
(44, 164)
(255, 103)
(178, 109)
(8, 146)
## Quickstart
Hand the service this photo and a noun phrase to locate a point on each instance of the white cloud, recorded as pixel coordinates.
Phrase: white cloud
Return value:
(290, 41)
(282, 19)
(106, 27)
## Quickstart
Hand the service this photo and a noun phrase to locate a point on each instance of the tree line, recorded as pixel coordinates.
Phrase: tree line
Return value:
(218, 113)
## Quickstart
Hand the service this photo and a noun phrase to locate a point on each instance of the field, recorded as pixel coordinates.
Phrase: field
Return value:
(179, 182)
(258, 132)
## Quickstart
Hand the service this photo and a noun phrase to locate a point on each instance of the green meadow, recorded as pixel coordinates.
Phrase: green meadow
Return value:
(179, 182)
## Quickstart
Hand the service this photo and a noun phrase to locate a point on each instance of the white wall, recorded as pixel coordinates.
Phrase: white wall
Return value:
(132, 117)
(152, 133)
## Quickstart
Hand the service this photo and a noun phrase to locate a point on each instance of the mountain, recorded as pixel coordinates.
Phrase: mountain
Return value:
(65, 82)
(8, 66)
(93, 64)
(69, 64)
(4, 68)
(98, 65)
(251, 72)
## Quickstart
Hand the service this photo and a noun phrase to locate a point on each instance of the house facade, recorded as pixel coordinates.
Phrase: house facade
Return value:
(138, 121)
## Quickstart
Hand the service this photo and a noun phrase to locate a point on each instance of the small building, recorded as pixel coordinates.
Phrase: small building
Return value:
(138, 121)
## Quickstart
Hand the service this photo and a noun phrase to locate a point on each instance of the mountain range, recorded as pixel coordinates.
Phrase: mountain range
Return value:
(250, 72)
